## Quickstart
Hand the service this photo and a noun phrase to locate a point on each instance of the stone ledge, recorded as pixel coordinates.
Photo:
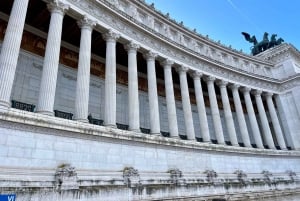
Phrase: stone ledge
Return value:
(35, 121)
(149, 186)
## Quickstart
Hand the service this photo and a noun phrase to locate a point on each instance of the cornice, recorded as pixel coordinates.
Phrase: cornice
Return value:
(280, 53)
(129, 28)
(115, 7)
(191, 32)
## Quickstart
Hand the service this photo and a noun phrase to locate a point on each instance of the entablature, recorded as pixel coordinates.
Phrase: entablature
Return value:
(108, 17)
(168, 29)
(281, 53)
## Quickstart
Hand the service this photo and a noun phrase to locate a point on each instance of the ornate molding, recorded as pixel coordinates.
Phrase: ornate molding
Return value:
(179, 53)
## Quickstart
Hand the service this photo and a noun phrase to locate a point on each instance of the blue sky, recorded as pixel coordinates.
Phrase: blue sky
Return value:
(224, 20)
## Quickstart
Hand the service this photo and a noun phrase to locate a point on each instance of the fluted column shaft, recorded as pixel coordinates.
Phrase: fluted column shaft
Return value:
(275, 121)
(83, 74)
(201, 107)
(227, 113)
(133, 90)
(10, 50)
(215, 110)
(252, 118)
(110, 79)
(51, 59)
(186, 104)
(240, 115)
(264, 121)
(170, 99)
(152, 93)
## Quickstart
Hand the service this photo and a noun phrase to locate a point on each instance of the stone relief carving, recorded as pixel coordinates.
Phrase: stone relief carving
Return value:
(241, 177)
(211, 176)
(131, 176)
(292, 175)
(66, 177)
(175, 175)
(267, 176)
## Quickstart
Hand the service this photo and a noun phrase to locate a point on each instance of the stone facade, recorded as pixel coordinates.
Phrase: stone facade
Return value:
(159, 112)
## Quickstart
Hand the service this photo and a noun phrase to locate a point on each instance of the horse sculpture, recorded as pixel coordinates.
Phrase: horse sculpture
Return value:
(263, 45)
(273, 41)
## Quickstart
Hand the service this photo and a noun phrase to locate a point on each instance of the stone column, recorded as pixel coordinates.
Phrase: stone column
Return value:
(240, 115)
(227, 113)
(83, 74)
(51, 59)
(152, 94)
(215, 109)
(264, 121)
(110, 79)
(170, 99)
(133, 87)
(252, 118)
(201, 107)
(10, 50)
(186, 104)
(275, 121)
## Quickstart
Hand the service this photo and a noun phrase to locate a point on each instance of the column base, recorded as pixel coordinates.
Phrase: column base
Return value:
(175, 137)
(110, 125)
(235, 145)
(156, 134)
(260, 147)
(134, 130)
(82, 120)
(48, 113)
(248, 146)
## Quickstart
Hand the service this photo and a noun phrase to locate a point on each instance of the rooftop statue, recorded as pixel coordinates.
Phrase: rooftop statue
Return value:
(263, 45)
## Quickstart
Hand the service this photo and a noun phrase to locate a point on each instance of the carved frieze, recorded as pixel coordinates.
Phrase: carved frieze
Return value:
(66, 177)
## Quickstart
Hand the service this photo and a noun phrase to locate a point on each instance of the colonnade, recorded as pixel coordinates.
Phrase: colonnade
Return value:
(8, 63)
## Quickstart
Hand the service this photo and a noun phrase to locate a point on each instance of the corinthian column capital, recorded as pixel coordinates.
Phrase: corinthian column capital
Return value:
(222, 83)
(131, 46)
(86, 23)
(167, 63)
(234, 86)
(150, 55)
(246, 89)
(196, 74)
(56, 6)
(111, 36)
(182, 69)
(209, 79)
(257, 92)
